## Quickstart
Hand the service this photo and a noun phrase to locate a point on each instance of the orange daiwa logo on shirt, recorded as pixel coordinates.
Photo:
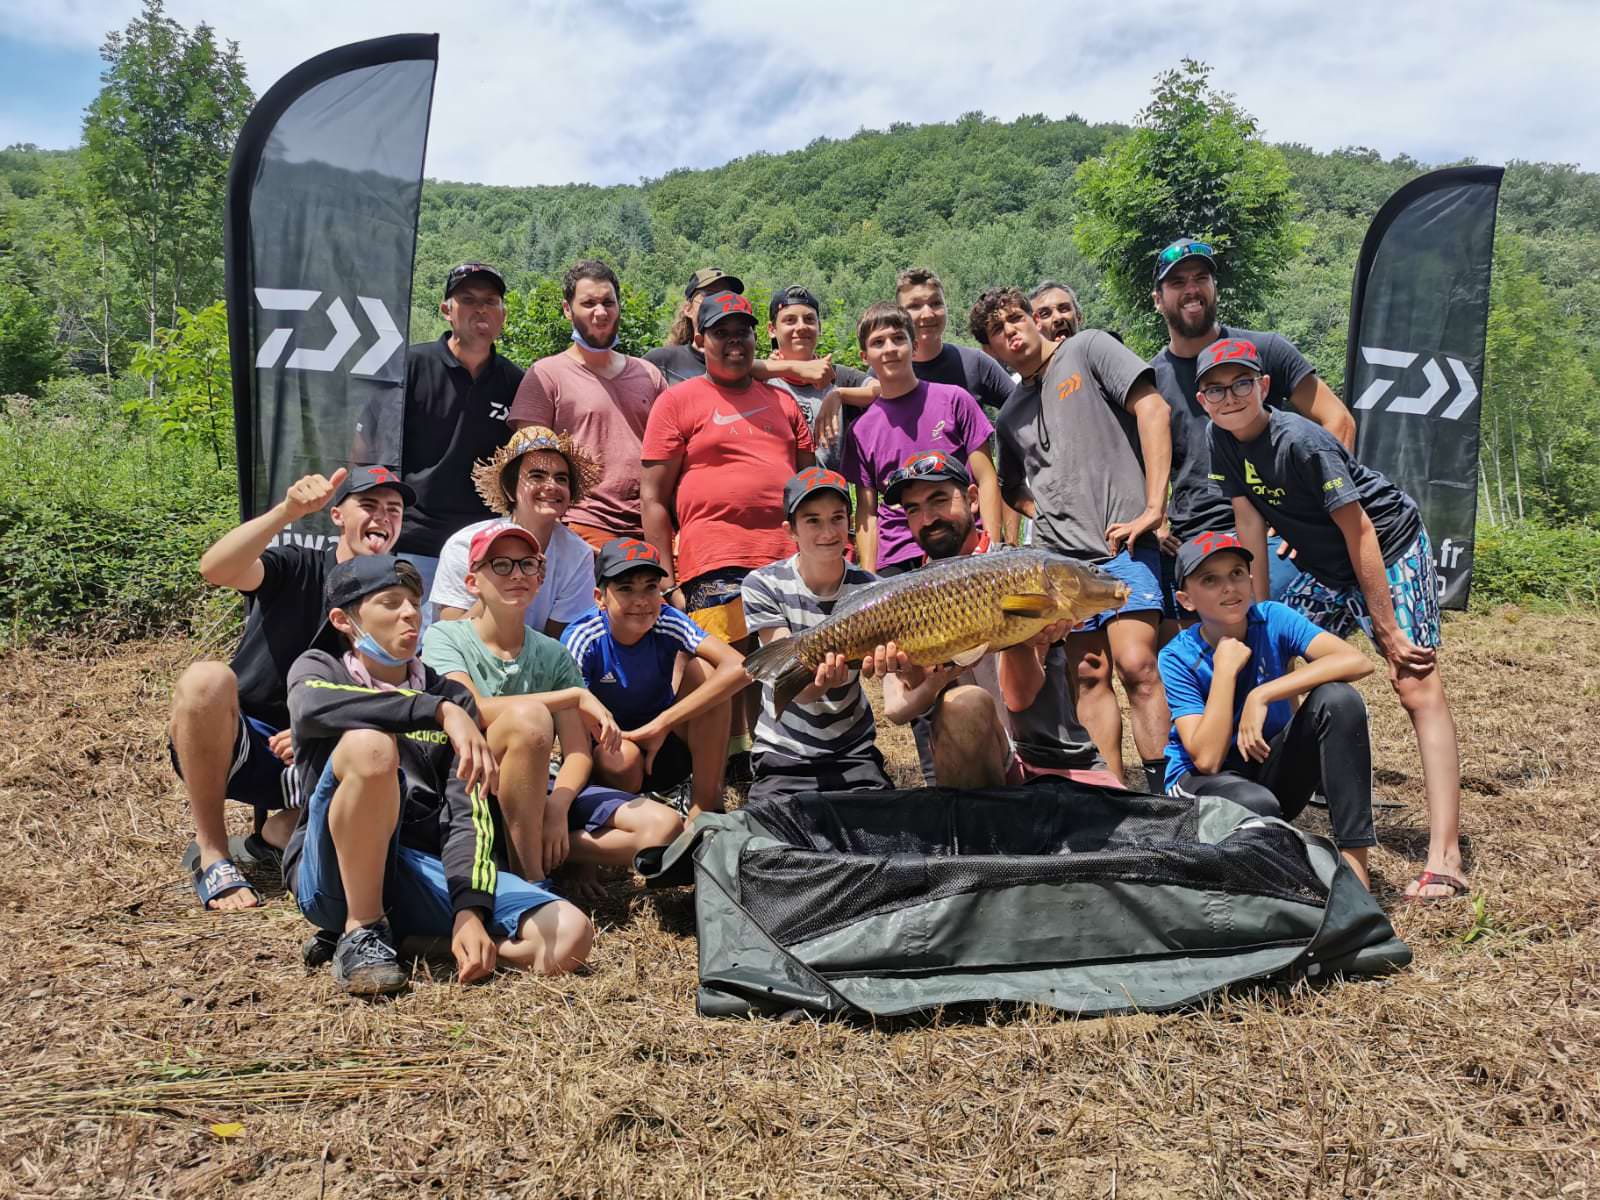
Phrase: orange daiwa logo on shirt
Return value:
(1069, 385)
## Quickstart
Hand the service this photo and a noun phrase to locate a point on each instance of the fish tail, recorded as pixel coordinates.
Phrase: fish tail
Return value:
(778, 663)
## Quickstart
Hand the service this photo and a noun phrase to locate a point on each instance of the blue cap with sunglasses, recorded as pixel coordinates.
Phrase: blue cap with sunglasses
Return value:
(1181, 251)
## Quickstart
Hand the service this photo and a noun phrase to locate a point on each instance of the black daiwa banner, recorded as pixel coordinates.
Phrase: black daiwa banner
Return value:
(1414, 365)
(321, 230)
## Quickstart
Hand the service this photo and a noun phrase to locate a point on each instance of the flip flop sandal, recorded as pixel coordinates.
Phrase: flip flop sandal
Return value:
(1428, 878)
(220, 878)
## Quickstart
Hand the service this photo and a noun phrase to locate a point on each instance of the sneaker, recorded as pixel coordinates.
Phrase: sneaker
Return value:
(317, 950)
(739, 768)
(366, 963)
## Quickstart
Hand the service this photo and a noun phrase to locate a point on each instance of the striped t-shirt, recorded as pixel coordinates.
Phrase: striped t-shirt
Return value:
(775, 597)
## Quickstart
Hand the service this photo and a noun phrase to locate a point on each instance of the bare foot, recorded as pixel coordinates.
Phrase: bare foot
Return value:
(580, 883)
(231, 901)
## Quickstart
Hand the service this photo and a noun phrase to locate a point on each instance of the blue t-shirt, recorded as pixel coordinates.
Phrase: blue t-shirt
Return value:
(1276, 635)
(634, 682)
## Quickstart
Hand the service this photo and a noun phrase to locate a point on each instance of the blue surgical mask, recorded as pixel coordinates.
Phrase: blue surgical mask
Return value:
(582, 341)
(368, 645)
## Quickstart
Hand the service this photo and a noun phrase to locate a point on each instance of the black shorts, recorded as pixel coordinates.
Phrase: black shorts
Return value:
(257, 776)
(783, 775)
(672, 766)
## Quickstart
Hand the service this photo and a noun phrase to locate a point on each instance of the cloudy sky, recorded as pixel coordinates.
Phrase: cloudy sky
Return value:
(545, 91)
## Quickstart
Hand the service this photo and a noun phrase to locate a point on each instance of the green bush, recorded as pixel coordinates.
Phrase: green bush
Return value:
(101, 528)
(1528, 561)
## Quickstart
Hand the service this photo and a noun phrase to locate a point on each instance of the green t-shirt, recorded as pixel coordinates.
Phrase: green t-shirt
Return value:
(543, 666)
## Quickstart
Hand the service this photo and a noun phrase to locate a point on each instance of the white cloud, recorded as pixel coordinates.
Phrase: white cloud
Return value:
(552, 91)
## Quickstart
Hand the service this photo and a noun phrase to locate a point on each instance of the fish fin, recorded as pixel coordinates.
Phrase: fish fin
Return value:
(789, 685)
(770, 662)
(967, 657)
(1033, 605)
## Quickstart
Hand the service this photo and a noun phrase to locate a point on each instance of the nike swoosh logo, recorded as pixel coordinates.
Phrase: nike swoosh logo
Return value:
(744, 416)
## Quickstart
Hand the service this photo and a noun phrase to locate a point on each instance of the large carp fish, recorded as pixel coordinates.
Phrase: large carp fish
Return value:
(952, 611)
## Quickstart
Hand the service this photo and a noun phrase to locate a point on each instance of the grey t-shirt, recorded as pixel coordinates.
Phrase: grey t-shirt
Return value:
(809, 398)
(677, 363)
(1069, 441)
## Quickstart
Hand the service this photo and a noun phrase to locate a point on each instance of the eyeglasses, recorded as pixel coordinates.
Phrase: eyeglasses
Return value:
(1176, 252)
(1240, 387)
(531, 566)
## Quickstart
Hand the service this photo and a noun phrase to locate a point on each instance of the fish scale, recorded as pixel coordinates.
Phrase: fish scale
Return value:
(943, 610)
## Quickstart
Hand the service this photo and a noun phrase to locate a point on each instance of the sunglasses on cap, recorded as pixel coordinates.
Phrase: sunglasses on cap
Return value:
(1174, 254)
(921, 465)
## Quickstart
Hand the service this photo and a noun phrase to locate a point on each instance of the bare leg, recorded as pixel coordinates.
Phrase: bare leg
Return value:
(635, 826)
(205, 723)
(521, 738)
(970, 747)
(1133, 650)
(553, 939)
(1089, 667)
(1424, 701)
(362, 817)
(279, 825)
(622, 768)
(707, 738)
(1356, 857)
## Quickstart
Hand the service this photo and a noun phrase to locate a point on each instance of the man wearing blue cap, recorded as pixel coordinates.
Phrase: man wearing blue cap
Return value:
(229, 734)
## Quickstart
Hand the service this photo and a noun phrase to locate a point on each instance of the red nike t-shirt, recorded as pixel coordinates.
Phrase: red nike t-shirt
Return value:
(738, 447)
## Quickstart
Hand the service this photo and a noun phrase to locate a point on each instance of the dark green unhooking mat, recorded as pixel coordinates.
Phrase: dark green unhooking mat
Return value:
(1085, 899)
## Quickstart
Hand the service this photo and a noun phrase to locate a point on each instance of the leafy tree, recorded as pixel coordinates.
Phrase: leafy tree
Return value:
(156, 145)
(192, 399)
(28, 354)
(1193, 166)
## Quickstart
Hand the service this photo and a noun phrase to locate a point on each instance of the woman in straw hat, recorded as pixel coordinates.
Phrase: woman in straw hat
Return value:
(532, 480)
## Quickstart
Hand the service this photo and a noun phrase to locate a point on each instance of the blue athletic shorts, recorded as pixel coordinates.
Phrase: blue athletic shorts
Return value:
(257, 776)
(415, 894)
(594, 807)
(1413, 589)
(1141, 571)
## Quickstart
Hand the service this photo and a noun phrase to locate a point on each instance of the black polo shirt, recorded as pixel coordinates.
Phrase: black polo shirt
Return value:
(452, 421)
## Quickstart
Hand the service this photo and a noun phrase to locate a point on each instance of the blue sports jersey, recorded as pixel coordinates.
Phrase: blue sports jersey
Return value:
(634, 682)
(1276, 635)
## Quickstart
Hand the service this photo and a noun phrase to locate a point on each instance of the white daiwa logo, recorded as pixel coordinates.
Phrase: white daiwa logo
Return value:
(1438, 386)
(345, 333)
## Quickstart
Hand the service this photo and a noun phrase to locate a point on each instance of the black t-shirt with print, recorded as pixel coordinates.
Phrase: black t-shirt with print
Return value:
(987, 380)
(451, 421)
(283, 618)
(1197, 504)
(1295, 474)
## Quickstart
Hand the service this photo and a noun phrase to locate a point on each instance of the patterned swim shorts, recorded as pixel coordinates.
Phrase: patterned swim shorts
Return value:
(1413, 589)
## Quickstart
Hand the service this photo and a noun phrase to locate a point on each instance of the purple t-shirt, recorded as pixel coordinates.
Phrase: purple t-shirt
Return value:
(932, 416)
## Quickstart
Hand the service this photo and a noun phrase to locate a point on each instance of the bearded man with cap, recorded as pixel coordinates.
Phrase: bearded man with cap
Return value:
(533, 480)
(229, 734)
(459, 391)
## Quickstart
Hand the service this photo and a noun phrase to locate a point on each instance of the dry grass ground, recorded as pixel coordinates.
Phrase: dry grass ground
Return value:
(131, 1024)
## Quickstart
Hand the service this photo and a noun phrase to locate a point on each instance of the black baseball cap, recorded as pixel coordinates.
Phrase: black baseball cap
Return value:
(808, 483)
(460, 274)
(708, 279)
(793, 294)
(620, 556)
(1183, 248)
(1228, 350)
(353, 581)
(926, 466)
(1201, 547)
(721, 305)
(364, 479)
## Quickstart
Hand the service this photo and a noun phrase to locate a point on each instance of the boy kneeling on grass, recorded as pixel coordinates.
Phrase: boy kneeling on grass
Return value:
(1234, 733)
(825, 739)
(399, 820)
(628, 650)
(529, 692)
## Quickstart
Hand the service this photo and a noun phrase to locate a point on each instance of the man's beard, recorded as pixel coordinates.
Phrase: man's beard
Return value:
(588, 333)
(944, 539)
(1060, 328)
(1207, 322)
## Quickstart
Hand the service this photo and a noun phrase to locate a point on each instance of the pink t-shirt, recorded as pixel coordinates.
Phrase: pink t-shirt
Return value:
(931, 416)
(738, 447)
(604, 416)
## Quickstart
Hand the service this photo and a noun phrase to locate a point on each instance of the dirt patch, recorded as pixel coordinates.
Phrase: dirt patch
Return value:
(131, 1024)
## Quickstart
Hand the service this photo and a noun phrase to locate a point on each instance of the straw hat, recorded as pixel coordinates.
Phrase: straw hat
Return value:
(499, 493)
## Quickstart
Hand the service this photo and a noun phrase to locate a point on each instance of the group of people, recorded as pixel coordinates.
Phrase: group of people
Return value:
(522, 655)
